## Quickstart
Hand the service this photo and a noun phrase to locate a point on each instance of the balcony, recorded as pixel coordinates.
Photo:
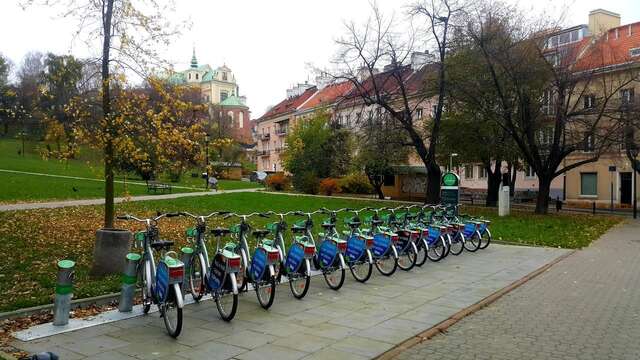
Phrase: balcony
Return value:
(282, 132)
(280, 149)
(265, 137)
(263, 153)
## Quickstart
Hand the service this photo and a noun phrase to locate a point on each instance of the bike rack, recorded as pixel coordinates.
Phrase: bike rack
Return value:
(129, 279)
(64, 292)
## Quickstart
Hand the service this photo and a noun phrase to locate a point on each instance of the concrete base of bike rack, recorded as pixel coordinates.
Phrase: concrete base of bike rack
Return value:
(48, 329)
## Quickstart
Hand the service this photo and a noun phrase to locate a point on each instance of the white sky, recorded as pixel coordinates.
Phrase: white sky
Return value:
(267, 44)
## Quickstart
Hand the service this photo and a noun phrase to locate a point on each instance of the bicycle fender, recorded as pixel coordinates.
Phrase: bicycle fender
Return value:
(272, 271)
(234, 283)
(178, 293)
(342, 263)
(307, 267)
(394, 251)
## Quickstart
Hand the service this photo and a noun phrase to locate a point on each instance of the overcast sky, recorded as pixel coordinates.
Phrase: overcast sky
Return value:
(266, 43)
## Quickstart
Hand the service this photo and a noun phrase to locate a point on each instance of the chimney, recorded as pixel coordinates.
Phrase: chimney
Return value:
(601, 20)
(363, 73)
(323, 80)
(419, 59)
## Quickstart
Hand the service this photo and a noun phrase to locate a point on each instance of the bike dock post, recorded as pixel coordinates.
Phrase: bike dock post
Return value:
(186, 253)
(64, 292)
(129, 279)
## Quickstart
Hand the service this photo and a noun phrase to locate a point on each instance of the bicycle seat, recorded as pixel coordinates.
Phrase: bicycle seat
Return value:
(328, 225)
(260, 232)
(220, 231)
(162, 244)
(377, 222)
(354, 223)
(298, 229)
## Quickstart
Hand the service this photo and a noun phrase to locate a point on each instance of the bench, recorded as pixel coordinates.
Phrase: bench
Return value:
(156, 186)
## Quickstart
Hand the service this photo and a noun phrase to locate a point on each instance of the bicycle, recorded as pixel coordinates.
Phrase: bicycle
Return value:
(296, 263)
(358, 257)
(384, 251)
(330, 255)
(407, 238)
(261, 269)
(161, 285)
(432, 243)
(219, 277)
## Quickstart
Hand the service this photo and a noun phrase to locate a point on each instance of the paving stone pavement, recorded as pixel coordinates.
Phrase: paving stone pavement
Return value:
(585, 307)
(358, 322)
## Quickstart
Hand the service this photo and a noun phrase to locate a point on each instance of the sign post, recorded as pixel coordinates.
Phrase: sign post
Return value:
(449, 190)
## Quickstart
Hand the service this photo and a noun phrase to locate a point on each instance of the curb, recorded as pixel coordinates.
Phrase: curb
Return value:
(444, 325)
(77, 303)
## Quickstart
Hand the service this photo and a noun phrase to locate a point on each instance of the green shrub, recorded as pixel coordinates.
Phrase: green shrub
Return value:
(329, 186)
(307, 183)
(277, 182)
(355, 183)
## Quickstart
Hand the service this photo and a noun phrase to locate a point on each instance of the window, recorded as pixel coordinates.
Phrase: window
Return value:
(434, 110)
(468, 171)
(419, 113)
(634, 52)
(545, 136)
(528, 171)
(482, 172)
(589, 184)
(189, 76)
(347, 120)
(241, 120)
(224, 76)
(197, 76)
(223, 95)
(389, 180)
(553, 59)
(547, 102)
(588, 143)
(627, 96)
(590, 101)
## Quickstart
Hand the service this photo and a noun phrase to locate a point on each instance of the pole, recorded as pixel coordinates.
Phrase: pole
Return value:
(64, 292)
(129, 279)
(635, 190)
(206, 163)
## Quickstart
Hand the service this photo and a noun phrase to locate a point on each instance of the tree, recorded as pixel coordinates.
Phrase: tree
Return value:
(130, 34)
(379, 148)
(28, 112)
(540, 91)
(316, 150)
(396, 91)
(7, 95)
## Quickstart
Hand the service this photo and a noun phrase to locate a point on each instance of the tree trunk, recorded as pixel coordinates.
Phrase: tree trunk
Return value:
(106, 111)
(494, 178)
(544, 189)
(378, 189)
(513, 172)
(434, 175)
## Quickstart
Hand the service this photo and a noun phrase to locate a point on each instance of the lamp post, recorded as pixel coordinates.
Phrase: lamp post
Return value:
(634, 168)
(451, 156)
(206, 161)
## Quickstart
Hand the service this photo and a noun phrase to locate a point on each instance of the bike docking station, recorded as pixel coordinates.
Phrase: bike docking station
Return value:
(64, 292)
(129, 280)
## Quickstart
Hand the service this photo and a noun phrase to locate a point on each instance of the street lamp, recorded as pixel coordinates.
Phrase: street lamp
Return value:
(206, 161)
(634, 167)
(451, 156)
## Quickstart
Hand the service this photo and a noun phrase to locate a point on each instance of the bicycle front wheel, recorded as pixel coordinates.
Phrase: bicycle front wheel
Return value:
(457, 244)
(436, 251)
(335, 276)
(421, 257)
(387, 264)
(266, 292)
(472, 243)
(145, 275)
(172, 314)
(485, 240)
(408, 257)
(196, 277)
(362, 269)
(226, 301)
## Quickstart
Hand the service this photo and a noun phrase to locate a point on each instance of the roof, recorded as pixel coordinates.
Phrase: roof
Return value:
(233, 101)
(611, 48)
(289, 105)
(327, 95)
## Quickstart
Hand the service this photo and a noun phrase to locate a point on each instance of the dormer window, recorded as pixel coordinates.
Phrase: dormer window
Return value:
(634, 52)
(196, 76)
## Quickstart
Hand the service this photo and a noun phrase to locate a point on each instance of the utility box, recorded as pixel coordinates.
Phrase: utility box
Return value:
(504, 205)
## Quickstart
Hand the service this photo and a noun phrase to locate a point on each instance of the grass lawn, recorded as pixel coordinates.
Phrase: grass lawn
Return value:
(29, 188)
(35, 239)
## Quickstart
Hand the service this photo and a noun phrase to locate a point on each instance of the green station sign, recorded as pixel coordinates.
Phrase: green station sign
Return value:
(449, 190)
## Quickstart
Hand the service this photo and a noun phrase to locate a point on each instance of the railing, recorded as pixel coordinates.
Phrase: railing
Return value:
(265, 137)
(263, 153)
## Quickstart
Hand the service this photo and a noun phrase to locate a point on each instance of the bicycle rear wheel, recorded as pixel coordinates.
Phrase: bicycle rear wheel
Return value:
(299, 285)
(172, 314)
(145, 275)
(196, 277)
(387, 264)
(436, 251)
(421, 257)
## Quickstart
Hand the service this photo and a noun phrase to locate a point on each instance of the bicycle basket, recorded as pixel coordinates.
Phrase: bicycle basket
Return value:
(300, 223)
(235, 229)
(191, 232)
(273, 227)
(139, 235)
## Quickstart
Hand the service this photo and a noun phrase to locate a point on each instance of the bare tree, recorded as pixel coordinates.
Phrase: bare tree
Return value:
(130, 34)
(553, 101)
(402, 89)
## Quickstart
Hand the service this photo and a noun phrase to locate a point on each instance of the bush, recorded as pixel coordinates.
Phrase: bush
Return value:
(329, 186)
(307, 183)
(277, 182)
(356, 183)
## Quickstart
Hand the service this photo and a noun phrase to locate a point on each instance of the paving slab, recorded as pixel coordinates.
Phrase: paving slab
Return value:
(359, 321)
(584, 307)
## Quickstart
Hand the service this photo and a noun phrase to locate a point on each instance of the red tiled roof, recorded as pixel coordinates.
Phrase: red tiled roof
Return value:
(328, 95)
(609, 50)
(289, 104)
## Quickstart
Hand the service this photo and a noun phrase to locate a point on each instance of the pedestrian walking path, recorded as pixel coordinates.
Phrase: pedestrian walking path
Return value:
(67, 203)
(585, 307)
(360, 321)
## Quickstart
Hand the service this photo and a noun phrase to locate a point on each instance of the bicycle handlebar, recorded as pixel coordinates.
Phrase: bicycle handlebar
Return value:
(264, 215)
(129, 217)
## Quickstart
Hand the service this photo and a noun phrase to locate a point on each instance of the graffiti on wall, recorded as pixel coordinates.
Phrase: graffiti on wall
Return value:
(414, 184)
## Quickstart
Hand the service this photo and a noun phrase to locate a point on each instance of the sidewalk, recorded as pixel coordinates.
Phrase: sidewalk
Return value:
(585, 307)
(66, 203)
(358, 322)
